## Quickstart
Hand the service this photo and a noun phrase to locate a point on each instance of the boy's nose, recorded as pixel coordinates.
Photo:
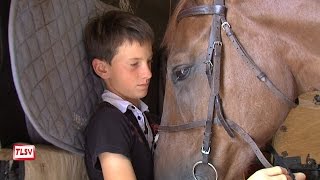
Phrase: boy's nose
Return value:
(147, 74)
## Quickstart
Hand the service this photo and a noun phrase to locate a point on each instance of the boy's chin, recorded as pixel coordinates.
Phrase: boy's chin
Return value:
(142, 95)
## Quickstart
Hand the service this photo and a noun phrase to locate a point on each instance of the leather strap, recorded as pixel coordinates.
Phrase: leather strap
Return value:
(205, 149)
(213, 61)
(279, 160)
(221, 118)
(215, 42)
(234, 126)
(201, 10)
(182, 127)
(247, 138)
(252, 65)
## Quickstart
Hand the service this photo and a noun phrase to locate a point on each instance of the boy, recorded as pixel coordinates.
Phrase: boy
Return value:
(118, 137)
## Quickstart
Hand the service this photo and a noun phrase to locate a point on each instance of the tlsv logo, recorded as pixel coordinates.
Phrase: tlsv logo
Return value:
(24, 152)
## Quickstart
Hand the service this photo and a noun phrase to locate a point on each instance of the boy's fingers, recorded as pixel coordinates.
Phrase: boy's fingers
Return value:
(276, 171)
(299, 176)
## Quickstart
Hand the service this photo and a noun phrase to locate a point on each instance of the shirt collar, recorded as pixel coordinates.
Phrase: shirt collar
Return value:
(120, 103)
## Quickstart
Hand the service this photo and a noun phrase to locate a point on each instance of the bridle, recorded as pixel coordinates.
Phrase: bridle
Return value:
(213, 61)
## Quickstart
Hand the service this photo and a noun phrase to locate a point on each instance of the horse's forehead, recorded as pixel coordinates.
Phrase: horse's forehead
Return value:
(190, 40)
(192, 28)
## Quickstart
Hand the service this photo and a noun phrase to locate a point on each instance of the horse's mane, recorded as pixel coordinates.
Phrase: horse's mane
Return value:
(172, 24)
(168, 36)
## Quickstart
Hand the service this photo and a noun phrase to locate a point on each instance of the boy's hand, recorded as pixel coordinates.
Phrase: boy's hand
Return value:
(275, 173)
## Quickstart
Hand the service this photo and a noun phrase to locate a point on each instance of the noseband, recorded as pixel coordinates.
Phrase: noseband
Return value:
(213, 64)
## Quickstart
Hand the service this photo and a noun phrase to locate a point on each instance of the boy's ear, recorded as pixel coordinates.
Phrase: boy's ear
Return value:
(100, 68)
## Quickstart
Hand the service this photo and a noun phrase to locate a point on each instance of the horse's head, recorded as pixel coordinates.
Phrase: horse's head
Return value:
(283, 41)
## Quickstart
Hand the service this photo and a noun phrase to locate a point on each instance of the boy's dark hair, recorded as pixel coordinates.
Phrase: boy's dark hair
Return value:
(104, 34)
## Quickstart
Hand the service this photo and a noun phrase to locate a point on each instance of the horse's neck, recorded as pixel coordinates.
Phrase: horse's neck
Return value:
(307, 74)
(300, 31)
(296, 25)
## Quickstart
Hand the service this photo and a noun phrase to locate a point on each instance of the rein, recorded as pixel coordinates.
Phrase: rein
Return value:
(213, 64)
(234, 126)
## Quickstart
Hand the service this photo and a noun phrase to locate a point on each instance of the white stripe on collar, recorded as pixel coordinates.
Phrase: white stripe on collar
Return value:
(120, 103)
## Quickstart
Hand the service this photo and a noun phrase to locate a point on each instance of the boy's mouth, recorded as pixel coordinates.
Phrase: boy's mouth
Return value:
(143, 85)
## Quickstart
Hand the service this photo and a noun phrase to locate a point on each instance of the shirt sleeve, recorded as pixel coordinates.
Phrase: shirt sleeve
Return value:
(108, 131)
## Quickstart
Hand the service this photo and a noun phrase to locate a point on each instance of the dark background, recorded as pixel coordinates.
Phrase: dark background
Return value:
(12, 124)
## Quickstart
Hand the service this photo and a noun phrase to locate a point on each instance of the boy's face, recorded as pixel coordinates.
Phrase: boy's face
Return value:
(129, 74)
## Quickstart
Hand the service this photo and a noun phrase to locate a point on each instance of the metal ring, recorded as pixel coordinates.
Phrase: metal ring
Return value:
(200, 162)
(205, 152)
(262, 77)
(208, 63)
(224, 24)
(219, 43)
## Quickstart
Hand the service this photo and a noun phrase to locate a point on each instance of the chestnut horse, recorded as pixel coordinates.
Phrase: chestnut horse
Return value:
(283, 40)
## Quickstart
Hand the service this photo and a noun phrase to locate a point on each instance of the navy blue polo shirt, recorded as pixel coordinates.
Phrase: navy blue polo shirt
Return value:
(109, 130)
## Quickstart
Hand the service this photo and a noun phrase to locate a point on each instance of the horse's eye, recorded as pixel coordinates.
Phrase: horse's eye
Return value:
(181, 73)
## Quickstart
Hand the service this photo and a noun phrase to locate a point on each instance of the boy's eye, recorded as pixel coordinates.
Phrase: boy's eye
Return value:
(134, 64)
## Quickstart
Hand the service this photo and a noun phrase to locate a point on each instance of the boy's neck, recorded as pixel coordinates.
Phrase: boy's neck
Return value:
(135, 102)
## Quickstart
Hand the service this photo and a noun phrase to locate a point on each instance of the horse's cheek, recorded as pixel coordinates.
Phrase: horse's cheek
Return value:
(162, 158)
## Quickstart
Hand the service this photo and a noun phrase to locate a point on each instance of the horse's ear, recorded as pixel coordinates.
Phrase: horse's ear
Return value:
(100, 67)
